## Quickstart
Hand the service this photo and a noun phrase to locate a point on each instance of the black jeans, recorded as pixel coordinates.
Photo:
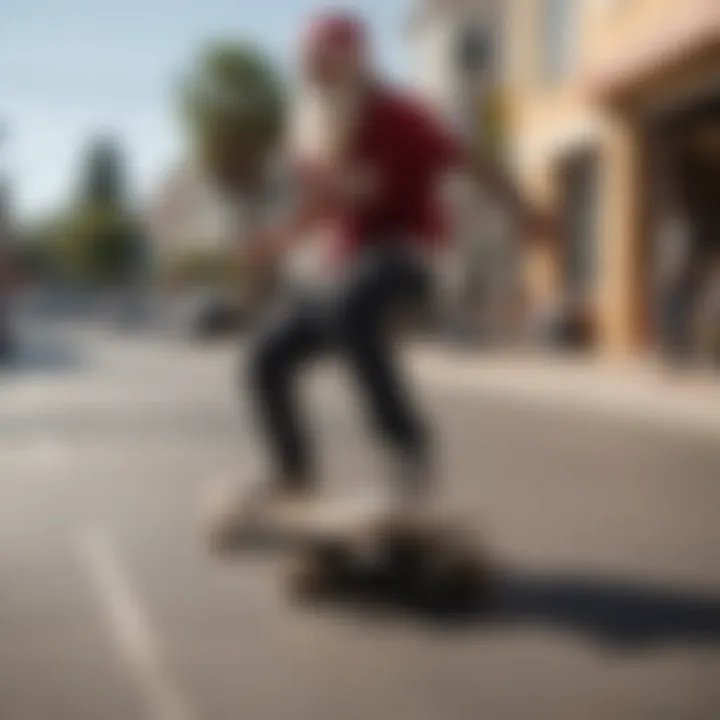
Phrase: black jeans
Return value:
(354, 320)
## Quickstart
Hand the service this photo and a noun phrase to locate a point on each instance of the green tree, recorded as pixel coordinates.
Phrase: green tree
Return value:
(97, 244)
(232, 103)
(97, 240)
(103, 181)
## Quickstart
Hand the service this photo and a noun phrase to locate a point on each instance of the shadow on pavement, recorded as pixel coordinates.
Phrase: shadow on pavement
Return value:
(623, 614)
(620, 613)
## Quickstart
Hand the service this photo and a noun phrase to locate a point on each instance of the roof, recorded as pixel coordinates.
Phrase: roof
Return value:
(659, 55)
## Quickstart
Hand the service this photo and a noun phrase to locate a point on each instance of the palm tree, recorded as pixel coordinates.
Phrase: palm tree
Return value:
(233, 106)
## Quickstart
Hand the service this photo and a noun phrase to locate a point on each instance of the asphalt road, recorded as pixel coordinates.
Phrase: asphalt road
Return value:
(110, 608)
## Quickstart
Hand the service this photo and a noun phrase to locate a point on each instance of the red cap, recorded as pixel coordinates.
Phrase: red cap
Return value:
(332, 31)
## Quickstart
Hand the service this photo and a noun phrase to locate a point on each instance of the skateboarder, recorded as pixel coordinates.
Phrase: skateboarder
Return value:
(371, 159)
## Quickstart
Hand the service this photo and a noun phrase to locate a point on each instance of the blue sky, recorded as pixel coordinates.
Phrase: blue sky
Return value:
(69, 68)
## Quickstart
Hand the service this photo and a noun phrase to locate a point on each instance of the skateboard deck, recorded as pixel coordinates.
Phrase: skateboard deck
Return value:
(346, 547)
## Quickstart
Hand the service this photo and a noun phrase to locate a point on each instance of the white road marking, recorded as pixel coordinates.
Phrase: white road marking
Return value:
(136, 643)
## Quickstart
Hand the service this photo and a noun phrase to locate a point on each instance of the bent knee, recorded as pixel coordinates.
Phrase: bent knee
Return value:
(264, 365)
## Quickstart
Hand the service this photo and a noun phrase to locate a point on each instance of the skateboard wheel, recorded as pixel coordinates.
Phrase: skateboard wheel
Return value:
(320, 572)
(452, 580)
(308, 579)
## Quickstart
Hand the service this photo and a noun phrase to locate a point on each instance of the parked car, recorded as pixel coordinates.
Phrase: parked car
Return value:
(207, 314)
(217, 317)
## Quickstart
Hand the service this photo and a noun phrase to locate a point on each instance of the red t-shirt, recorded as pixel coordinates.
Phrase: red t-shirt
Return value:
(407, 151)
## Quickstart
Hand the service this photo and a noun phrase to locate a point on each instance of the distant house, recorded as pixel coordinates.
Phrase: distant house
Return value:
(185, 216)
(457, 58)
(456, 50)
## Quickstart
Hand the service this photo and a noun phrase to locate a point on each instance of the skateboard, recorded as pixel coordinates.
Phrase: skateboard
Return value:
(354, 549)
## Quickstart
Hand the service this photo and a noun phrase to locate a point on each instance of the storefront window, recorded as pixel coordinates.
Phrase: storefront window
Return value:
(580, 219)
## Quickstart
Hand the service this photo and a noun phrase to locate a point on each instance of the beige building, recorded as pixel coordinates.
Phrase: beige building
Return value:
(603, 108)
(455, 55)
(456, 61)
(613, 102)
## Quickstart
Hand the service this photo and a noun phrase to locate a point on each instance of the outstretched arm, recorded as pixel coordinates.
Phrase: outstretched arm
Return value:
(315, 199)
(449, 151)
(538, 223)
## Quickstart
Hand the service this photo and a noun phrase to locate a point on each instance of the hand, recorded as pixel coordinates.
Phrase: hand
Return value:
(542, 226)
(261, 252)
(359, 186)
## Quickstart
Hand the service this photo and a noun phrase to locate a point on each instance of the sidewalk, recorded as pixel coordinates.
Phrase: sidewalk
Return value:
(636, 391)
